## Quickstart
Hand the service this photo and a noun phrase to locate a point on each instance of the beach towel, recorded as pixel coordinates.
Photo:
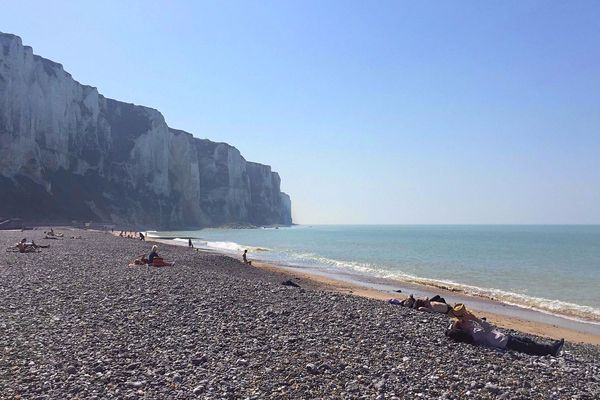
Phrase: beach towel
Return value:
(159, 262)
(136, 265)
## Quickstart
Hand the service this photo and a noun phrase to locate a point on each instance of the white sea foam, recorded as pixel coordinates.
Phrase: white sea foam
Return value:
(554, 307)
(228, 247)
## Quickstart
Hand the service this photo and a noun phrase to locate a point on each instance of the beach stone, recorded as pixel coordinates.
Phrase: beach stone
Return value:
(133, 366)
(290, 283)
(71, 370)
(380, 385)
(492, 388)
(199, 360)
(312, 368)
(198, 389)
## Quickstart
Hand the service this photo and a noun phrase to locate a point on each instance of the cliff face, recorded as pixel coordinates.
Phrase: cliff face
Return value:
(69, 153)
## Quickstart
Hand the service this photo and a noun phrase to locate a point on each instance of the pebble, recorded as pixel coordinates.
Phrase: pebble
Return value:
(71, 370)
(197, 389)
(492, 388)
(199, 360)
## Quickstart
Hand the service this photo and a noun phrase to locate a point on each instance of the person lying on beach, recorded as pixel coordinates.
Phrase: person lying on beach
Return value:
(436, 304)
(24, 247)
(32, 244)
(48, 236)
(53, 235)
(466, 327)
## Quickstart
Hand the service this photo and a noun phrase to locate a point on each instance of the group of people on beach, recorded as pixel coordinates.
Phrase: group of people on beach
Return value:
(24, 246)
(129, 234)
(466, 327)
(155, 260)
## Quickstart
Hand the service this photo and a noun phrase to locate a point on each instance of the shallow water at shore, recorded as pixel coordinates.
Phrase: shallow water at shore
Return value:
(554, 269)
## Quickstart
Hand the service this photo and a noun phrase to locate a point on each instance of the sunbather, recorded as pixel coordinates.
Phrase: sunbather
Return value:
(466, 327)
(436, 304)
(53, 235)
(28, 247)
(23, 248)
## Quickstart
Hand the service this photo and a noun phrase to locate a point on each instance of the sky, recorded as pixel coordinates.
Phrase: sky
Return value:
(372, 112)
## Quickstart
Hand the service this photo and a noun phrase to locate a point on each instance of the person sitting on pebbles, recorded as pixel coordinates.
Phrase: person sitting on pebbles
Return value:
(153, 259)
(466, 327)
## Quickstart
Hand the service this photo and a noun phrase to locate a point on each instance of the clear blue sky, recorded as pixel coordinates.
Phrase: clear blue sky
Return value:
(372, 112)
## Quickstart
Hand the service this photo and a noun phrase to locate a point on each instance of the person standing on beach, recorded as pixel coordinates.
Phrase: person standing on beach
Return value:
(190, 244)
(244, 257)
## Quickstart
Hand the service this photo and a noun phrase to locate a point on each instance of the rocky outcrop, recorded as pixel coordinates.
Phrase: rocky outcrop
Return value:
(68, 153)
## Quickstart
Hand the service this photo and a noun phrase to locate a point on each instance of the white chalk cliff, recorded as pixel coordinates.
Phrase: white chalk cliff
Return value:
(68, 153)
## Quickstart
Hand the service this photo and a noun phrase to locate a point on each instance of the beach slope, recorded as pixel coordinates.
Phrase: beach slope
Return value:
(76, 322)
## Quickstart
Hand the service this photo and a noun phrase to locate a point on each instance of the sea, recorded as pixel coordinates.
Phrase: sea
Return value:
(549, 268)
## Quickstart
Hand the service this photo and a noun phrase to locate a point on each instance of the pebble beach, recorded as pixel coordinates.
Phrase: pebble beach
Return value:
(77, 323)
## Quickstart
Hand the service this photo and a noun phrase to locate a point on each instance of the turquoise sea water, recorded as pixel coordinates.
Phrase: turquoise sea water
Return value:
(554, 269)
